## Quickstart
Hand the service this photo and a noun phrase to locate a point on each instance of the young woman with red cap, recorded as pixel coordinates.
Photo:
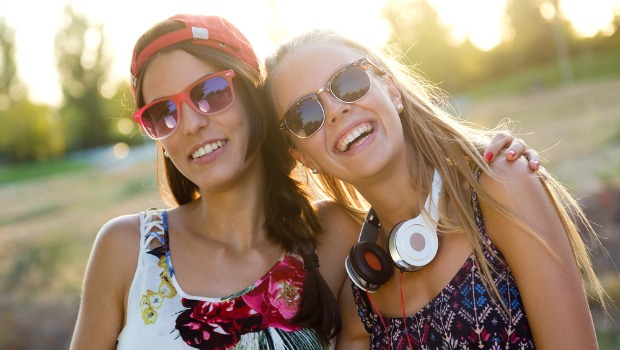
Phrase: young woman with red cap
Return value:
(232, 263)
(498, 262)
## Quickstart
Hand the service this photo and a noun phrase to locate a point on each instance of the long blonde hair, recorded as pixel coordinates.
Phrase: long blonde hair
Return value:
(452, 146)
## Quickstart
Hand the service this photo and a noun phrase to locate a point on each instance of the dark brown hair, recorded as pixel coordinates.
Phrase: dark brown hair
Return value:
(291, 221)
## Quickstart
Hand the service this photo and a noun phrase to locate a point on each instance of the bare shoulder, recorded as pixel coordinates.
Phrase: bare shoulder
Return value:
(121, 232)
(117, 246)
(109, 273)
(114, 257)
(340, 234)
(522, 193)
(336, 221)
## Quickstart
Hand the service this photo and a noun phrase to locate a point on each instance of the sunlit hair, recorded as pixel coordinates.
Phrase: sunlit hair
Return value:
(291, 221)
(435, 139)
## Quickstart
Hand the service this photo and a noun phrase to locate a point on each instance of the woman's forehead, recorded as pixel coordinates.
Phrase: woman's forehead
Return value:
(325, 54)
(170, 72)
(306, 68)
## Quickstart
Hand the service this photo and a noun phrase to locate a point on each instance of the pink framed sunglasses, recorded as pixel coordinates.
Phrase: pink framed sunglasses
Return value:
(209, 95)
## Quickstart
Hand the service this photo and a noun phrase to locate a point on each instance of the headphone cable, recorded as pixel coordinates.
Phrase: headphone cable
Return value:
(380, 317)
(402, 303)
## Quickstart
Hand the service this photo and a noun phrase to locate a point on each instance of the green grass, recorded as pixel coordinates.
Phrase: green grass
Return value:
(602, 65)
(608, 340)
(24, 172)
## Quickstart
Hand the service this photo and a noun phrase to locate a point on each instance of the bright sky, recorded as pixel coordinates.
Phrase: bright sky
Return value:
(36, 23)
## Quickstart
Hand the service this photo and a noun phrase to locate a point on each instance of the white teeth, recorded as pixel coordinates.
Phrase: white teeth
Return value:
(207, 149)
(346, 141)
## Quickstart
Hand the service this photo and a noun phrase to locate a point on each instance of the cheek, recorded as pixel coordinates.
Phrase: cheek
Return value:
(173, 143)
(314, 148)
(386, 110)
(239, 120)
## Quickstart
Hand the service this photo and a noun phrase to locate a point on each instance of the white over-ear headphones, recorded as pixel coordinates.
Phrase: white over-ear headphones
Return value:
(411, 244)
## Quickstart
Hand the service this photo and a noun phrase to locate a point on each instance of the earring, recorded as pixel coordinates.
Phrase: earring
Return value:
(166, 154)
(399, 107)
(314, 171)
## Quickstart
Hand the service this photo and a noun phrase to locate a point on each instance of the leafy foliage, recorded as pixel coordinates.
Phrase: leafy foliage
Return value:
(83, 66)
(530, 40)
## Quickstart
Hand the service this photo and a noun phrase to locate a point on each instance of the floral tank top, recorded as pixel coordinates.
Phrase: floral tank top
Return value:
(161, 316)
(464, 315)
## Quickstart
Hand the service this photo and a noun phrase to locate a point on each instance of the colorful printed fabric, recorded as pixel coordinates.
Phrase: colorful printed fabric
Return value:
(463, 316)
(161, 316)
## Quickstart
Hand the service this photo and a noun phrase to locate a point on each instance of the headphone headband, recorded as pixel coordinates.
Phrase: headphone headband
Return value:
(411, 244)
(372, 225)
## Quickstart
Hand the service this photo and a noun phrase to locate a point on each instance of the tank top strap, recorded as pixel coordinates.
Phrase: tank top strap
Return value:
(370, 319)
(478, 211)
(493, 254)
(153, 225)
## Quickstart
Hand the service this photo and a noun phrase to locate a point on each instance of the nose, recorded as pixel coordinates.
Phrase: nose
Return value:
(191, 120)
(333, 107)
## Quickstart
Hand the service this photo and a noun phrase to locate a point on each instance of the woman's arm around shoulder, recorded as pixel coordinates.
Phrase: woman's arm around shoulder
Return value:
(109, 273)
(353, 334)
(341, 232)
(547, 277)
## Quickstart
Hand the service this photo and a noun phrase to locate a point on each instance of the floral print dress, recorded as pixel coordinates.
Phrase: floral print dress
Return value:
(161, 316)
(464, 315)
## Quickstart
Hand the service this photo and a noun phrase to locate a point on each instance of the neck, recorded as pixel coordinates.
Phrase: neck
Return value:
(234, 215)
(396, 197)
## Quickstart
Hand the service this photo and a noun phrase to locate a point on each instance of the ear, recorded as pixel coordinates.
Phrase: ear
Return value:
(302, 158)
(392, 88)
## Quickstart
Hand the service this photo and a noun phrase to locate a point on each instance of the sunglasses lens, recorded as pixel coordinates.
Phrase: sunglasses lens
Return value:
(212, 95)
(351, 85)
(160, 119)
(305, 118)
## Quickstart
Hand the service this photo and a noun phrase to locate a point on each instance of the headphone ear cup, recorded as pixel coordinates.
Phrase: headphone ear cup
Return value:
(370, 265)
(412, 244)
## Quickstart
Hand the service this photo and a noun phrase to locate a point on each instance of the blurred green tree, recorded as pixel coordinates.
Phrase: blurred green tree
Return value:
(118, 109)
(83, 66)
(423, 40)
(29, 131)
(8, 68)
(535, 35)
(531, 37)
(427, 44)
(30, 134)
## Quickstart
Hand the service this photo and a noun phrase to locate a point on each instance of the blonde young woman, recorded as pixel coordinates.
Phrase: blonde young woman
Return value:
(498, 261)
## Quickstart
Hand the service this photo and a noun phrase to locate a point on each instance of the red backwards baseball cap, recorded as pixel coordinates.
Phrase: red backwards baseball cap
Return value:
(212, 31)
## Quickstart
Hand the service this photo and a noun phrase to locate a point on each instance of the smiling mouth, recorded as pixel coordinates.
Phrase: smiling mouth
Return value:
(354, 136)
(208, 149)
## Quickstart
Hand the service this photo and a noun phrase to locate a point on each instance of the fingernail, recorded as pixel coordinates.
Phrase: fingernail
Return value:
(511, 153)
(536, 164)
(488, 157)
